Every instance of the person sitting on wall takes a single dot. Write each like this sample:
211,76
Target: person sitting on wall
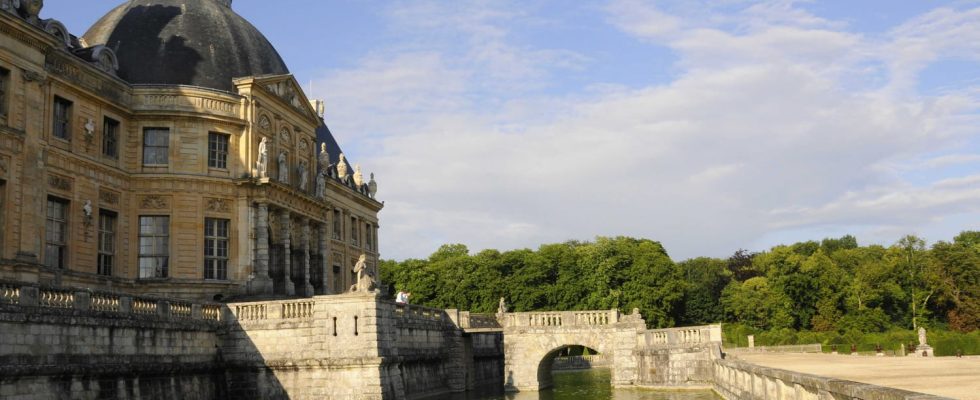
402,297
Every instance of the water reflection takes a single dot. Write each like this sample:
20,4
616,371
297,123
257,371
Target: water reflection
592,384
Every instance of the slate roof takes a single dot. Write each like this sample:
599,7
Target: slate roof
184,42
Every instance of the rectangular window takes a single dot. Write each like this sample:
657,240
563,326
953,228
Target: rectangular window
216,249
337,228
62,118
217,150
367,237
156,146
56,234
110,137
107,242
353,231
154,255
4,88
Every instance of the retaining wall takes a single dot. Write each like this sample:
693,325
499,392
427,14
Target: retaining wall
66,344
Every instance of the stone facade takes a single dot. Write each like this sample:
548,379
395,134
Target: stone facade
86,157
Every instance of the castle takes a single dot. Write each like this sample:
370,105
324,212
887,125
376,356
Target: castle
169,152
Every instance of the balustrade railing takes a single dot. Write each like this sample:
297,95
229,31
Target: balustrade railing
9,294
252,312
412,311
561,319
181,310
106,302
34,295
56,298
682,336
297,310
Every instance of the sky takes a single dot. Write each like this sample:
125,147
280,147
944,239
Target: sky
709,126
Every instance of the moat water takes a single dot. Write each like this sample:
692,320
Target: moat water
591,384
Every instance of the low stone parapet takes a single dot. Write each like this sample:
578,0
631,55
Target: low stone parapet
738,380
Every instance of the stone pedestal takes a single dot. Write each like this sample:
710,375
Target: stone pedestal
923,350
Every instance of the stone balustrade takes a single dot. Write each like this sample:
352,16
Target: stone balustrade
561,319
412,311
55,298
682,336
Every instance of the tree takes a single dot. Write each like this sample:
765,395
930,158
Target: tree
740,264
912,248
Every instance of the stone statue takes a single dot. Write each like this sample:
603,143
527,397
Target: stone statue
365,281
922,336
321,185
262,164
360,266
342,167
304,176
358,176
283,170
502,307
29,9
87,209
323,159
372,187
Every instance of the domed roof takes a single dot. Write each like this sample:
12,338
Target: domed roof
184,42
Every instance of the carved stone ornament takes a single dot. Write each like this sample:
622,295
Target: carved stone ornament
284,136
59,183
358,176
303,147
342,167
154,203
108,197
89,131
217,205
372,187
264,123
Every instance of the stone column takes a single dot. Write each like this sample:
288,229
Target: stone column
287,229
262,284
324,247
305,285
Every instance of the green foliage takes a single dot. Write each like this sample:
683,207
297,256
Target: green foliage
831,291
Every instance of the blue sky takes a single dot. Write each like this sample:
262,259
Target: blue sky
709,126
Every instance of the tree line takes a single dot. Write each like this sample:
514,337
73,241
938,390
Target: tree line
823,286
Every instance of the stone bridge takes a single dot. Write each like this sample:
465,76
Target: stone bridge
532,340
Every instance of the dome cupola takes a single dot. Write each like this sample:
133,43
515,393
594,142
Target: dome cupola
184,42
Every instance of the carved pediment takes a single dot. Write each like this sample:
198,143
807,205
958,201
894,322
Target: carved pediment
286,89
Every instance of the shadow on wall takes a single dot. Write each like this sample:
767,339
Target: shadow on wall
245,374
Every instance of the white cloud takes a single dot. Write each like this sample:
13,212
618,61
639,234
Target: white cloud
763,130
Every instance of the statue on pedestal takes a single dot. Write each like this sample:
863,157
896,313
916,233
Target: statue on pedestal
321,185
304,176
323,159
283,169
342,167
358,176
372,187
262,164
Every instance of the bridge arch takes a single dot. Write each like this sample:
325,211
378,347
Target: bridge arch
545,367
533,340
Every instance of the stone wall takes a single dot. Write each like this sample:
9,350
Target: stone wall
66,344
678,357
352,346
743,381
